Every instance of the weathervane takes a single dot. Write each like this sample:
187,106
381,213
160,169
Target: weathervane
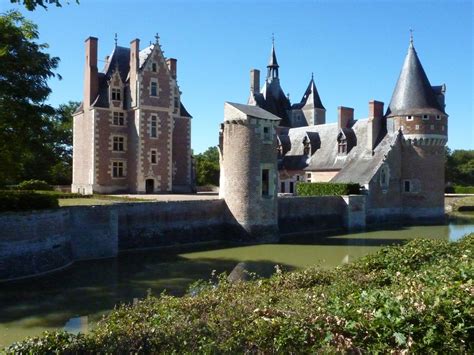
115,39
273,38
411,37
157,37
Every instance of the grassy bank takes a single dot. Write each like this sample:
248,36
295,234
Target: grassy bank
417,297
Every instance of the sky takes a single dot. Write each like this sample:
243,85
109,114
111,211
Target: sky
354,48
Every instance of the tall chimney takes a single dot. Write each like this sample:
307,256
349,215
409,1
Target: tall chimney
91,77
172,66
255,81
375,123
134,62
345,115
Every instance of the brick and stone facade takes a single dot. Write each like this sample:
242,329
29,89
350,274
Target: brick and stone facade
132,132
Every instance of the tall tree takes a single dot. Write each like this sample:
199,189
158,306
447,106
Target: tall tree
24,71
207,167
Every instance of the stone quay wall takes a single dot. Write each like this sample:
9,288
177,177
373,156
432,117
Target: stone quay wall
38,242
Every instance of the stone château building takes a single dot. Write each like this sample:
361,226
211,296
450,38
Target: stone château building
396,156
131,133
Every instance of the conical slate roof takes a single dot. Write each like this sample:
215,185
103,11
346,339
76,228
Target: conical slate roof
413,93
273,59
311,96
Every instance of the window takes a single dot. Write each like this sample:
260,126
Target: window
409,118
154,88
116,94
118,119
297,178
282,187
118,144
432,126
417,127
176,102
118,169
426,117
153,67
438,117
154,127
406,186
442,127
266,182
153,156
342,146
292,187
384,177
267,134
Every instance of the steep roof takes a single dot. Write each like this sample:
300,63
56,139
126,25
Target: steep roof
311,97
273,59
413,93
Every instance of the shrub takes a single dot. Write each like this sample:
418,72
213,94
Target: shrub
326,188
60,194
26,200
34,185
457,189
415,298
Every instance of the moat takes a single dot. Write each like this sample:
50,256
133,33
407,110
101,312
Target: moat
75,298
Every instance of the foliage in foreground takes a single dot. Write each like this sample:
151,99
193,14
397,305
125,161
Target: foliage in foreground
456,189
417,297
326,189
207,167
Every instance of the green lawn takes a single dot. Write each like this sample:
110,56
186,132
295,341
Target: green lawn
65,202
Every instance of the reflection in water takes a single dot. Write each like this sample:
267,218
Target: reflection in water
75,298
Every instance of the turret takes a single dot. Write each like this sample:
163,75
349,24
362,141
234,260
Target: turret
415,108
312,107
249,171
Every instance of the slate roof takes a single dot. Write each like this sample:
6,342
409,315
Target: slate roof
311,97
254,111
413,93
358,165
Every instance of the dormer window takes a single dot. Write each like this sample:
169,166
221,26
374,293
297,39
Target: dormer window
342,146
153,67
306,146
115,94
409,118
154,88
426,117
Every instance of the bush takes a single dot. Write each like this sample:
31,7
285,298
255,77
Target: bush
60,194
34,185
26,200
415,298
456,189
326,188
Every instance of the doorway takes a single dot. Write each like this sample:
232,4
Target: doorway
149,186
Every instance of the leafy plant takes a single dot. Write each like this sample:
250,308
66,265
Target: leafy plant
34,185
326,188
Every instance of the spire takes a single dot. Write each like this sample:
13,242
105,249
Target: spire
413,93
311,95
272,66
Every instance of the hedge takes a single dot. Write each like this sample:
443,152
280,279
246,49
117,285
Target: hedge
26,200
326,188
34,185
415,298
456,189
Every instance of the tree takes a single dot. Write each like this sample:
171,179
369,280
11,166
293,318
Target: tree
460,167
31,4
207,167
24,71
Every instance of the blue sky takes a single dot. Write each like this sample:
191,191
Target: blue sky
355,49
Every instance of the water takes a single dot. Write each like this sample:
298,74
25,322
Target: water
75,298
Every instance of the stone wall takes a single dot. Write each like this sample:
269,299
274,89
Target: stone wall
33,243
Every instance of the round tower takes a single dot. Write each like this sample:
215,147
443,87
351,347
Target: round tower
417,111
249,170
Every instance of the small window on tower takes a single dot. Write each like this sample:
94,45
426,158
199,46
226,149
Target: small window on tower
153,156
118,119
115,94
153,127
407,186
265,182
409,118
417,127
426,117
432,126
118,144
153,67
438,117
154,88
